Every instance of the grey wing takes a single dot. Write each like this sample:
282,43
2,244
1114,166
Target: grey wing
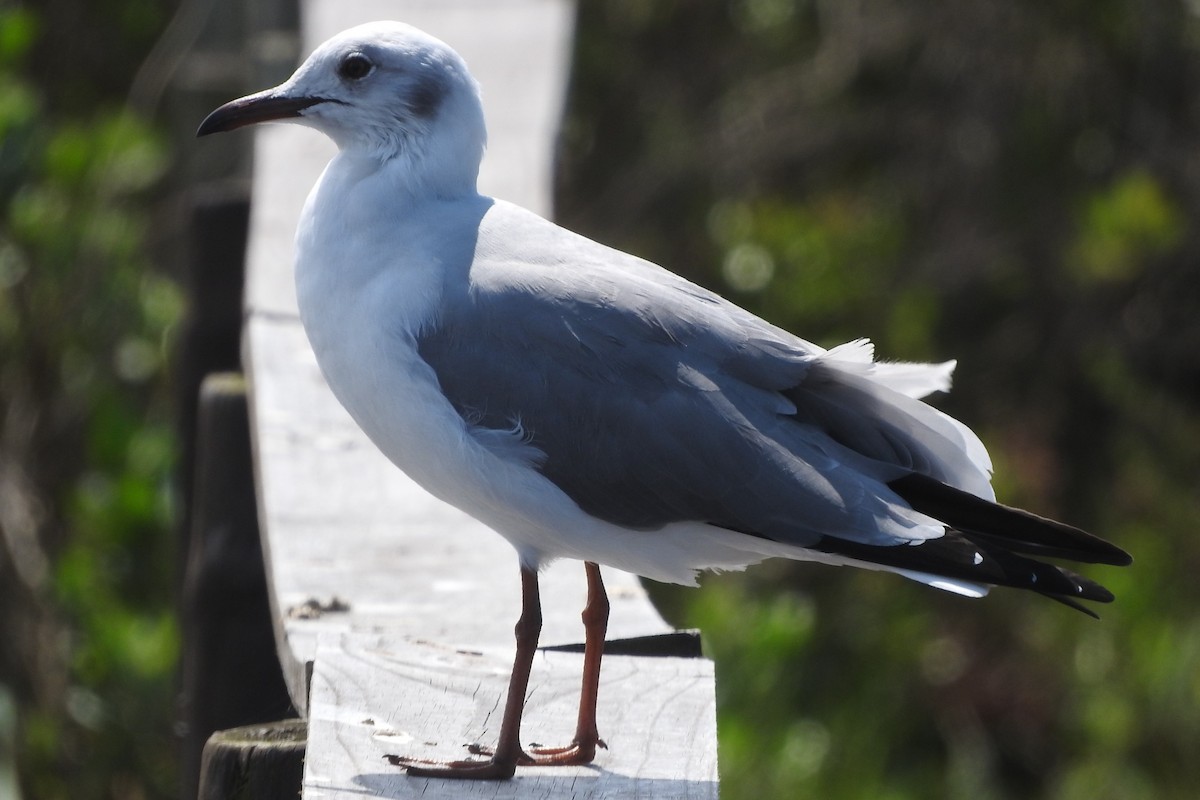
650,401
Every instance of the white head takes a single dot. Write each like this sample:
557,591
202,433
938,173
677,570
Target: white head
383,90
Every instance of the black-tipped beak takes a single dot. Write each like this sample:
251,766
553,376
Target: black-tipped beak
261,107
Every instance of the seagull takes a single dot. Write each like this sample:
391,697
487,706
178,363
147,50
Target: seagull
587,404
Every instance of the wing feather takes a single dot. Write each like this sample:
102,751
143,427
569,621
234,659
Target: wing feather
649,401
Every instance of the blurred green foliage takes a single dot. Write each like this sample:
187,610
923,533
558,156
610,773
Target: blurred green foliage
86,446
1008,184
1123,228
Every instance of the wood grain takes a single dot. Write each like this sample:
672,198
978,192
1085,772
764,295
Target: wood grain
380,695
263,762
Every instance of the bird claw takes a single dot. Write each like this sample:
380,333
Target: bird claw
577,753
454,770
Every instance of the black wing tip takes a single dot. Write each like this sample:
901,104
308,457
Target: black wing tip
1010,528
1069,589
959,555
1085,588
1069,603
1120,557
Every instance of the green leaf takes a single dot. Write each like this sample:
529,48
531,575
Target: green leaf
1123,228
18,29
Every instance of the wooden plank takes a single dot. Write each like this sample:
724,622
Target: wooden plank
379,695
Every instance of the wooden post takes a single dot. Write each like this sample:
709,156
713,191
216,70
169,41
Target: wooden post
230,670
211,332
257,762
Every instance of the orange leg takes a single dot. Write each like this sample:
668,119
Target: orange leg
582,748
508,753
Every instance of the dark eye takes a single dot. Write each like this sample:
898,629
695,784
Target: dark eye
355,67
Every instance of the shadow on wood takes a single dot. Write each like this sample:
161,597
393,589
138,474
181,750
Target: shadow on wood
676,644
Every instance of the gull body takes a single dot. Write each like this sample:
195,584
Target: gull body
367,318
588,404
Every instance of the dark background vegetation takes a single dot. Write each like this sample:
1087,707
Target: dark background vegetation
1011,184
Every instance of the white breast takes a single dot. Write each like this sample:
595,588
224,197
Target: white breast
369,275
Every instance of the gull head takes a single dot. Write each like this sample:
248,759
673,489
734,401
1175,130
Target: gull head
383,90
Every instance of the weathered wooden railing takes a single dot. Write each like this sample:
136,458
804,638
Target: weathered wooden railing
392,612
